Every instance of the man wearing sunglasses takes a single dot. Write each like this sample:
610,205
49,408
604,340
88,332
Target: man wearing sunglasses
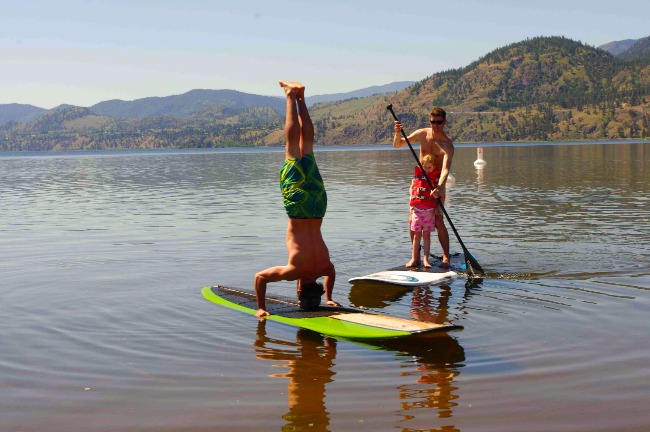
435,142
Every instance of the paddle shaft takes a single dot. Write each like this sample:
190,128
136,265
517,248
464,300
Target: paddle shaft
470,261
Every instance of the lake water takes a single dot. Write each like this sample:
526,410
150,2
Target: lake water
103,257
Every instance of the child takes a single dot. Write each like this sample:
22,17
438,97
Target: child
423,210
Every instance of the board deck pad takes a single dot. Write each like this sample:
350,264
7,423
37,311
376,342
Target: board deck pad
406,277
386,321
277,305
456,260
333,321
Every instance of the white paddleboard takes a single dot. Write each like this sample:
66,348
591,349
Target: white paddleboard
405,277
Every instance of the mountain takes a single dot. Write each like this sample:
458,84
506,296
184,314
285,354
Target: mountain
365,92
617,47
639,51
544,88
19,113
181,106
536,70
227,102
56,118
629,49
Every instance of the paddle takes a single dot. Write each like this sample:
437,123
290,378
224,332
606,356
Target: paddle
472,265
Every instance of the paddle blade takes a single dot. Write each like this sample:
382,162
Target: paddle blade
472,265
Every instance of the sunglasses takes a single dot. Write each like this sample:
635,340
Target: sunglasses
437,122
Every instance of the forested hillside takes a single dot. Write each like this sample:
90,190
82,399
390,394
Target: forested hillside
539,89
546,88
640,51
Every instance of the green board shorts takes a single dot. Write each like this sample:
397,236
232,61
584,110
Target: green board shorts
303,190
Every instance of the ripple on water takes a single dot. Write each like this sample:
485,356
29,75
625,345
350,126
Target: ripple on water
103,259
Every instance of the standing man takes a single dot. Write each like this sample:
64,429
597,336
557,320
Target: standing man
434,142
305,201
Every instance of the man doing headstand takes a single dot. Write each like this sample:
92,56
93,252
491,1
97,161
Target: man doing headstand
305,201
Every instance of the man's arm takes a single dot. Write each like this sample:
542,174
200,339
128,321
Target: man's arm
398,139
328,281
272,274
446,166
444,172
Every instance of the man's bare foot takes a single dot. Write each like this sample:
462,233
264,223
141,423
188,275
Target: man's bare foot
445,262
292,88
301,93
426,263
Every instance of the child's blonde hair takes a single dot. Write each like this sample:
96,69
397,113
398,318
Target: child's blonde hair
425,159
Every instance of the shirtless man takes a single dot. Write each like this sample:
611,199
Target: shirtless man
305,201
435,142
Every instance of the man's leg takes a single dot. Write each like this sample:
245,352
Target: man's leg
443,238
291,122
306,126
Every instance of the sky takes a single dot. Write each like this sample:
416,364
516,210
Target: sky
84,52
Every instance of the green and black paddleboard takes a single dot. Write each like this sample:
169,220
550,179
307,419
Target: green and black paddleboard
332,321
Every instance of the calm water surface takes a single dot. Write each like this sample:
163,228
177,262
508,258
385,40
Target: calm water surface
103,256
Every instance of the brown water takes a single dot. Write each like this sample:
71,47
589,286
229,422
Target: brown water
103,256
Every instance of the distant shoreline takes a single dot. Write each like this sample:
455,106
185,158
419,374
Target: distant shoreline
277,149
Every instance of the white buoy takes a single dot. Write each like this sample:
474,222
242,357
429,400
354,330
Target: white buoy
479,155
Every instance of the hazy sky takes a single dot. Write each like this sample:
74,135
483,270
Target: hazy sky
84,52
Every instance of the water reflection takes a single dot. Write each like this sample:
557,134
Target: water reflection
309,359
432,393
564,228
432,361
428,307
480,178
437,358
372,294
